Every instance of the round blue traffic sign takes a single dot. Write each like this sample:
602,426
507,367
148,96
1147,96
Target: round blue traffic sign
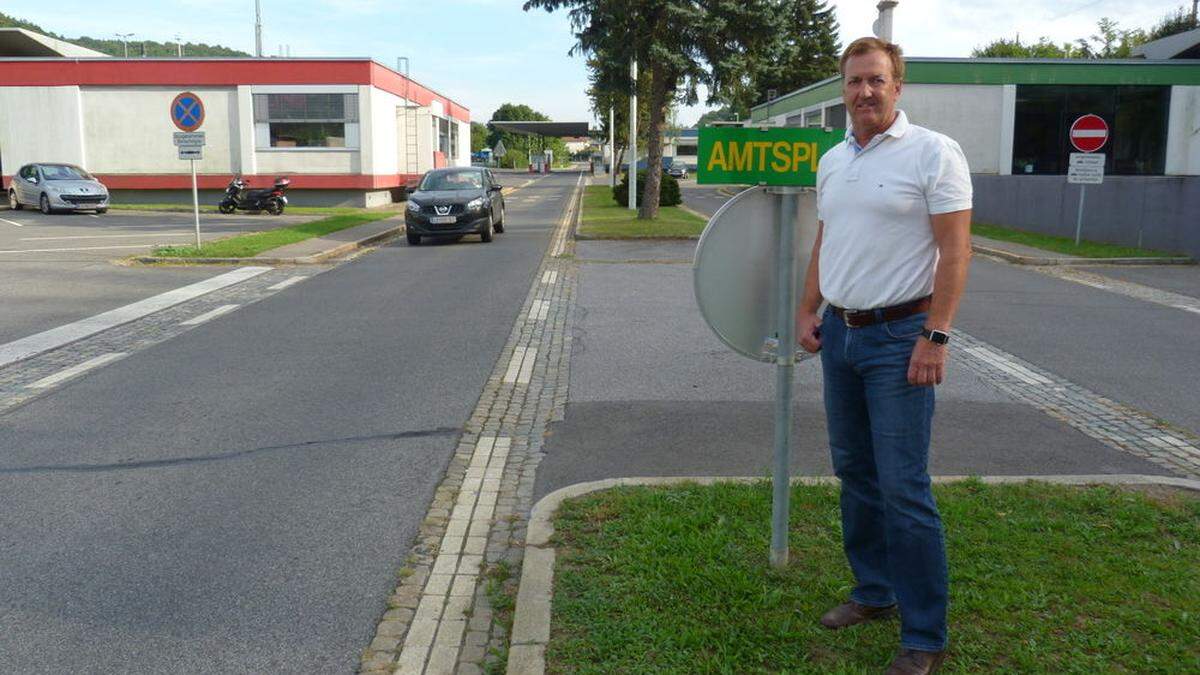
187,111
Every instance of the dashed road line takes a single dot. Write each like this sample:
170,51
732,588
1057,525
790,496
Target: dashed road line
57,337
550,276
10,222
108,236
1122,287
539,311
209,316
76,370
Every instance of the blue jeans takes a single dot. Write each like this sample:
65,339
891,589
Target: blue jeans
879,437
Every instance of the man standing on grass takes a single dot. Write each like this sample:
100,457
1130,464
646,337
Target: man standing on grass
891,255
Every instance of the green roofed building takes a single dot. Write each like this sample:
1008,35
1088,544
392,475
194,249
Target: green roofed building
1012,118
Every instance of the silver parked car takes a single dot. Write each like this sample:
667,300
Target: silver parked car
57,187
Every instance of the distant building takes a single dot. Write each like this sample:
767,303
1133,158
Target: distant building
681,147
346,130
1012,117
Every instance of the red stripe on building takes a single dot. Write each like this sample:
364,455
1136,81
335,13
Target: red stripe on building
102,72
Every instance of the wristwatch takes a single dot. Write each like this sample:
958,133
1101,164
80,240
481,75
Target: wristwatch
935,336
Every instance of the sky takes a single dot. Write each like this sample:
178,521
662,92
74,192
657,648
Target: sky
483,53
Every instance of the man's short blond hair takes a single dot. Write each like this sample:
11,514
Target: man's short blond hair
866,45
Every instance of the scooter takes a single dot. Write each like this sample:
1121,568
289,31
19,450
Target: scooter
239,196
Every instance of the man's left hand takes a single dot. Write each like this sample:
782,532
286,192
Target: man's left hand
928,364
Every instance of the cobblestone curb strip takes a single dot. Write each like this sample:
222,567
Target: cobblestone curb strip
440,618
531,628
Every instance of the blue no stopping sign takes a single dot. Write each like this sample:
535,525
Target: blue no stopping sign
187,111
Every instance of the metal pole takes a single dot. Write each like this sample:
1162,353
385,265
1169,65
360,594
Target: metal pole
633,137
195,201
785,361
612,147
1079,214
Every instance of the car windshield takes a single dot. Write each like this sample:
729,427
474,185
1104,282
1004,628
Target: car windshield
64,172
453,180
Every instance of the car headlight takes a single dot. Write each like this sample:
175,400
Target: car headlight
476,203
413,206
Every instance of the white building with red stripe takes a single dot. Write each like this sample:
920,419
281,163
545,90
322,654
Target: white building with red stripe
345,130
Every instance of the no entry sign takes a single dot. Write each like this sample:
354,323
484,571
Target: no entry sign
1089,133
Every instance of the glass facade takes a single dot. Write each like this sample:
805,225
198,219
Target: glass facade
1136,117
306,120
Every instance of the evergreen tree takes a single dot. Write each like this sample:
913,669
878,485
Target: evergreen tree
805,50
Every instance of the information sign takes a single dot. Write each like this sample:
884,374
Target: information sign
191,152
1086,168
762,155
194,138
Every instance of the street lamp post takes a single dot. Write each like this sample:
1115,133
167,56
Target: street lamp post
633,136
124,37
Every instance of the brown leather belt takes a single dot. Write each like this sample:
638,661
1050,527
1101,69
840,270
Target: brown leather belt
857,318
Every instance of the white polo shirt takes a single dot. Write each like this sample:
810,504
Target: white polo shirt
877,245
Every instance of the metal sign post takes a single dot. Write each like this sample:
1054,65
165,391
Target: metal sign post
187,113
746,271
633,115
1088,134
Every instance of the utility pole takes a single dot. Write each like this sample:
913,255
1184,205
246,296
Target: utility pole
258,28
633,136
1194,4
178,45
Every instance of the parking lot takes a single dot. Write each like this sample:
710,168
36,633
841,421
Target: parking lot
30,235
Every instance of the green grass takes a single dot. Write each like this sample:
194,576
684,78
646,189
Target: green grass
211,208
1086,249
248,245
1044,579
605,219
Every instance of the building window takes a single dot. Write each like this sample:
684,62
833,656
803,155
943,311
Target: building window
1137,127
306,120
687,150
453,139
812,118
794,121
835,116
442,127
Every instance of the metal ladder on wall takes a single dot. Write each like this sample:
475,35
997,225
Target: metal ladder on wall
411,149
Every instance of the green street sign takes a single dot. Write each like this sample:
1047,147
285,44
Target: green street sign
762,155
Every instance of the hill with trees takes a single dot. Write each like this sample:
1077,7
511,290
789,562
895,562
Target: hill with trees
114,47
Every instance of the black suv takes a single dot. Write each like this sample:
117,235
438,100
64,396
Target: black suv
454,202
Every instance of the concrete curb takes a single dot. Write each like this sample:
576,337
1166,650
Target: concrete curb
316,258
592,237
1029,260
531,623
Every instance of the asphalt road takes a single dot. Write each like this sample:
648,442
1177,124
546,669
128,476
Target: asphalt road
287,453
655,393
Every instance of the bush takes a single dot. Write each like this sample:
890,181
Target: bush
668,190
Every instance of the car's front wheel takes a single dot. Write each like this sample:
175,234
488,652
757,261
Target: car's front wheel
499,226
44,204
413,239
14,203
100,212
485,234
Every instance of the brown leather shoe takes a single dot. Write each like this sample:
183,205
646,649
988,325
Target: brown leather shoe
851,613
912,662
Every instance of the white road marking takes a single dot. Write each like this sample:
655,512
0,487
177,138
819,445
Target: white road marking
106,236
6,220
1007,366
1187,308
527,366
514,365
209,316
539,310
76,370
57,337
550,277
83,248
286,282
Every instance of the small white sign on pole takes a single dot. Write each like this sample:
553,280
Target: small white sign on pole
191,152
1086,168
189,139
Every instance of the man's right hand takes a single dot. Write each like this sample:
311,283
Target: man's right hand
808,330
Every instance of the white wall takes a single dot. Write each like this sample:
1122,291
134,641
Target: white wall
129,129
464,144
423,128
42,124
1183,133
384,132
970,114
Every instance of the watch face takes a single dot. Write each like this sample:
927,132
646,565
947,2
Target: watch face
937,336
